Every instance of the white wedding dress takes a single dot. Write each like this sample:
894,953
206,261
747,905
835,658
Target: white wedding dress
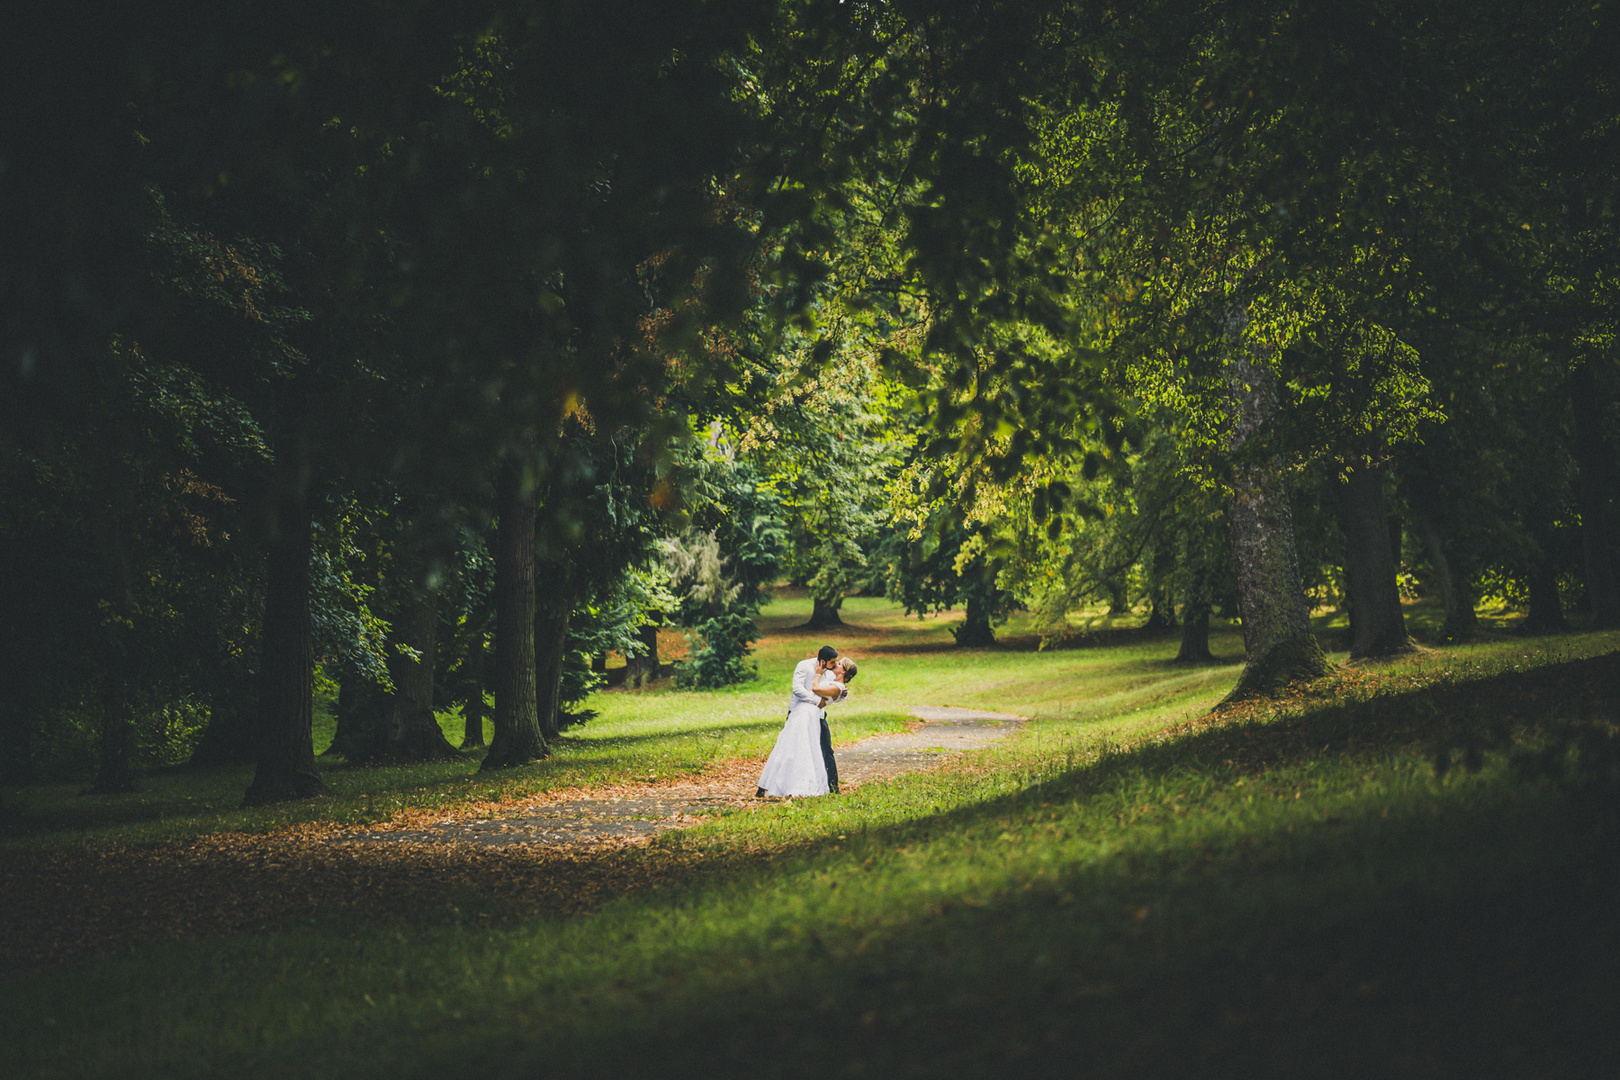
796,765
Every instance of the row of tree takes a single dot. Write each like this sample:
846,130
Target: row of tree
451,346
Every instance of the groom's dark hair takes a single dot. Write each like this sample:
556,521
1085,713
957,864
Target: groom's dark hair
827,653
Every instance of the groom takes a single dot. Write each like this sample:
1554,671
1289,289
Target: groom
804,677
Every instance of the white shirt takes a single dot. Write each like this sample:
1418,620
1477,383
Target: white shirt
804,677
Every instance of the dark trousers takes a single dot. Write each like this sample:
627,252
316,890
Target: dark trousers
827,756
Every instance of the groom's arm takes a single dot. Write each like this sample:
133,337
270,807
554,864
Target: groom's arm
803,676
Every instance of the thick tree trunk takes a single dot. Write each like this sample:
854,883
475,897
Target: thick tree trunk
1161,616
16,742
1194,635
1460,621
472,709
413,731
824,612
1378,626
517,739
116,772
975,630
1546,615
284,738
228,738
361,707
1117,603
1594,493
1276,624
550,636
644,666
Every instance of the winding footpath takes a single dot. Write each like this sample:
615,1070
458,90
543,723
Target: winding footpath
569,821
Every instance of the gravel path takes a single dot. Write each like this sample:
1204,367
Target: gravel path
570,822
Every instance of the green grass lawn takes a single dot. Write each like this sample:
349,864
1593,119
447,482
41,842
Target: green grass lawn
1291,892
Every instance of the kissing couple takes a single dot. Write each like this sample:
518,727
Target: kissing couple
802,762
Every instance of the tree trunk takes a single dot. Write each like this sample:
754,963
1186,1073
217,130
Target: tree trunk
1161,616
1276,623
228,738
284,739
116,772
1117,603
1593,495
1460,622
550,637
16,742
1546,614
1194,635
975,630
361,710
1379,626
517,739
413,731
643,666
824,612
472,709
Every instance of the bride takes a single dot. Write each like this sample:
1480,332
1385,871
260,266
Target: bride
801,762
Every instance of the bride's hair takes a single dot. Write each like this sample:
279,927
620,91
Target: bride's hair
849,671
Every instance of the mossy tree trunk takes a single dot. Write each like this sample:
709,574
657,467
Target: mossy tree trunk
284,738
516,739
1276,624
1378,625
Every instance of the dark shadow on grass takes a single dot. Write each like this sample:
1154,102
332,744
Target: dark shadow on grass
1175,963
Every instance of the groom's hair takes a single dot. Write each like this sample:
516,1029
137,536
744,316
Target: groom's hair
827,653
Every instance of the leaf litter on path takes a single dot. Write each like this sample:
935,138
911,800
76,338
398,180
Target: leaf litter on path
557,854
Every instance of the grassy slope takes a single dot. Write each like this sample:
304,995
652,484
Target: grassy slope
1295,894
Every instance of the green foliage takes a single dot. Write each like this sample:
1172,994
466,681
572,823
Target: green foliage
720,646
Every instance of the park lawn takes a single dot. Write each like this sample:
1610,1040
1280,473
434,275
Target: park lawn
1292,890
647,734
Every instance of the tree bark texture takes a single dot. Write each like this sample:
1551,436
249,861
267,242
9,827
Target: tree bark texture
1277,634
824,612
1378,625
550,636
361,705
1194,635
516,739
413,733
1594,493
1460,622
284,739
